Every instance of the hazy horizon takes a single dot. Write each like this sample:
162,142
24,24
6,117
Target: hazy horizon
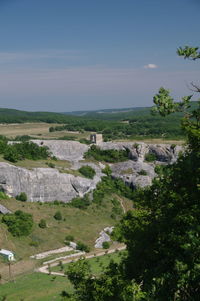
74,56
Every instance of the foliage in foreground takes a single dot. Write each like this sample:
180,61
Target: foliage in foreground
162,234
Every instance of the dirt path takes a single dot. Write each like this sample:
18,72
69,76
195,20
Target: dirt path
45,269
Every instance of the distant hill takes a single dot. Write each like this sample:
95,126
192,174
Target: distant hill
125,123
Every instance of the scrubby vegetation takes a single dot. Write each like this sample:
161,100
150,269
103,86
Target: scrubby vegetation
109,155
19,223
82,247
23,150
42,224
87,171
22,197
58,216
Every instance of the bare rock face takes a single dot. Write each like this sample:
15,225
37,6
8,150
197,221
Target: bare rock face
43,184
135,174
137,151
64,150
103,236
48,184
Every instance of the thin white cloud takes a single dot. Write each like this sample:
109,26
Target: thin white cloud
150,66
6,57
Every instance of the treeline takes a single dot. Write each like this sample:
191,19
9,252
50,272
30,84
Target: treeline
17,116
133,124
136,127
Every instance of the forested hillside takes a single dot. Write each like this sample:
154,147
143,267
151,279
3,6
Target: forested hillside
136,123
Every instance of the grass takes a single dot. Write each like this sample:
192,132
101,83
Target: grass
38,130
35,287
128,171
41,287
96,264
84,225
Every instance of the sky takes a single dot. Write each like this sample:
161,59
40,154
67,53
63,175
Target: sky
67,55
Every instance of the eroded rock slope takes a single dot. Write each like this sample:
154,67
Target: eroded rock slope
47,184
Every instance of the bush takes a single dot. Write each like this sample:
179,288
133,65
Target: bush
3,196
19,223
22,197
108,155
87,171
25,150
82,247
106,245
69,237
150,157
81,203
107,170
34,243
58,216
42,224
142,172
50,164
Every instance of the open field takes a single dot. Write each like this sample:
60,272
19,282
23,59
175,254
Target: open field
84,225
35,287
41,131
37,130
42,287
96,264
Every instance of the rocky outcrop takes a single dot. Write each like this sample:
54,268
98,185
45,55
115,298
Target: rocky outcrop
103,236
134,173
163,152
43,184
48,184
64,150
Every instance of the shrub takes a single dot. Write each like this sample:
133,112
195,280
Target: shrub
87,171
50,164
69,237
58,216
108,155
42,224
82,247
22,197
25,150
142,172
150,157
19,223
81,203
107,170
3,195
34,243
106,245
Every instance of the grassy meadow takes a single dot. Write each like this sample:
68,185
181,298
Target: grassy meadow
42,287
84,225
37,130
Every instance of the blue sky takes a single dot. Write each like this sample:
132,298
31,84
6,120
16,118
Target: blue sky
89,54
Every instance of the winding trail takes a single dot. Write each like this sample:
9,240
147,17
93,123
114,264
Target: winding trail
45,268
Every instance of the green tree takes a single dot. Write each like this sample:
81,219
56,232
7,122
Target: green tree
162,233
22,197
